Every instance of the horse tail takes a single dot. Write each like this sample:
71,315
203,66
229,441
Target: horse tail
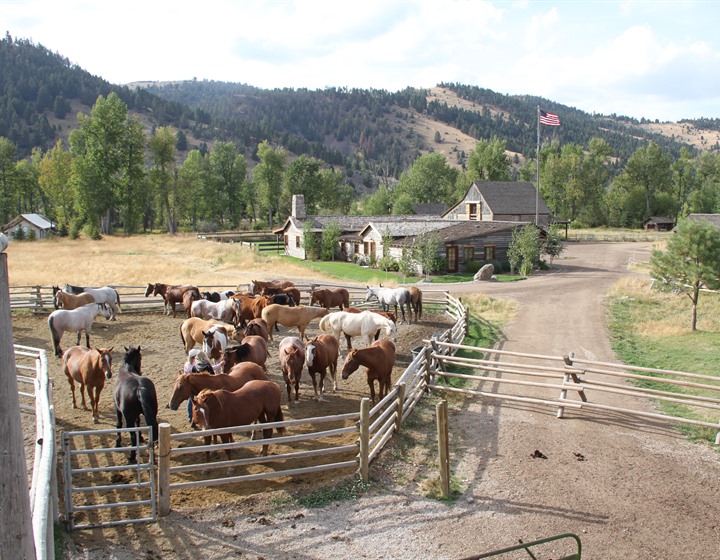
419,304
282,430
117,295
182,336
53,334
149,404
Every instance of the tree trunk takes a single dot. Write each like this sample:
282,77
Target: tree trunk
16,537
694,298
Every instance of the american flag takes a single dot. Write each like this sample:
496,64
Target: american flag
550,119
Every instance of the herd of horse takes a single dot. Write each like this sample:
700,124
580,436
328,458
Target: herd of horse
234,328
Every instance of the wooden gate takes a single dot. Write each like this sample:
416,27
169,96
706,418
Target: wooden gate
94,481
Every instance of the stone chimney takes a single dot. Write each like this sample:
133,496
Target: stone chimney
298,206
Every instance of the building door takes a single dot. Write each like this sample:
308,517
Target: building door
451,253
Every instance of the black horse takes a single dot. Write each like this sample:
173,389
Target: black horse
134,395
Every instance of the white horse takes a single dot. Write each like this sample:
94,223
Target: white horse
391,296
106,294
366,324
222,310
75,320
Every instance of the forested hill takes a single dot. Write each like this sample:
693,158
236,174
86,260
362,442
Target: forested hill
378,132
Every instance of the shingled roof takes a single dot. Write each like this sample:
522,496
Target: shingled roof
507,197
465,230
350,224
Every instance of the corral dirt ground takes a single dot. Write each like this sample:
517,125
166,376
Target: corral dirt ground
630,488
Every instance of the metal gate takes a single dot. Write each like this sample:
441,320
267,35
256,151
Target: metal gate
99,488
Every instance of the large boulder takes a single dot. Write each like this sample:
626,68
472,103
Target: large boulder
485,274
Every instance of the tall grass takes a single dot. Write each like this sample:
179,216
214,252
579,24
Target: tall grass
652,329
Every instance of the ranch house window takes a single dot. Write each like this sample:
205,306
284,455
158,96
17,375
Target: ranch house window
297,241
489,252
468,254
366,248
356,248
285,240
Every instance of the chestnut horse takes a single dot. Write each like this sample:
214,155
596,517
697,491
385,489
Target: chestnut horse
298,317
257,286
256,400
291,354
252,349
257,327
189,384
379,359
170,294
90,367
330,297
416,297
322,353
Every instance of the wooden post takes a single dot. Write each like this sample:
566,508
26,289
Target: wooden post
164,468
563,396
16,534
364,438
441,413
428,367
717,436
400,406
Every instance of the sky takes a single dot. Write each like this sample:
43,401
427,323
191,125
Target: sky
652,59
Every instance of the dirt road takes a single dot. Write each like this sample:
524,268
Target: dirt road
641,492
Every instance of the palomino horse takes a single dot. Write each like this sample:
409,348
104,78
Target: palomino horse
391,296
330,297
256,400
64,300
291,354
74,320
192,331
134,395
257,286
366,324
90,367
379,359
252,349
322,353
298,317
106,294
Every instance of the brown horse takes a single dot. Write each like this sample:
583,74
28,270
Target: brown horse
90,367
256,400
187,300
291,354
298,317
64,300
189,384
330,297
290,291
257,286
379,359
252,349
249,308
416,297
170,294
322,353
257,327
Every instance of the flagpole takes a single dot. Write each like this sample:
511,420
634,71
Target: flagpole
537,171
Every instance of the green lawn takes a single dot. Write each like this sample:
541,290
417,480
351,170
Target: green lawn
350,272
468,277
650,329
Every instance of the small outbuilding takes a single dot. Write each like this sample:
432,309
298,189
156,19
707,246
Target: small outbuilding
36,223
658,223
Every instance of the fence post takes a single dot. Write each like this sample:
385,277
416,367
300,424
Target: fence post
38,300
428,366
567,358
400,406
441,413
164,468
364,437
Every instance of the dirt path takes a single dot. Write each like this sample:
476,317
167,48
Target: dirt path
642,492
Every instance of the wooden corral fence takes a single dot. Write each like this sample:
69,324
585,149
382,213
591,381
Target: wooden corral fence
39,299
257,241
374,427
103,487
563,382
35,392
